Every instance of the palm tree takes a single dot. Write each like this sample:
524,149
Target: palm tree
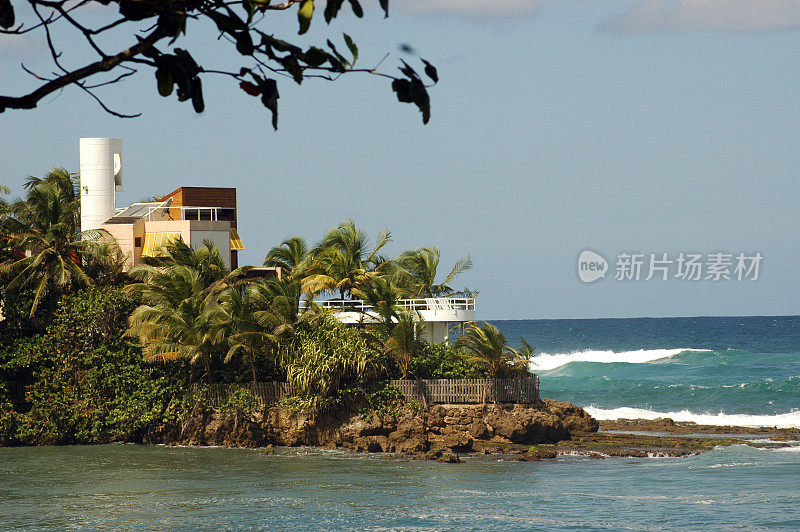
416,272
486,345
206,260
525,350
46,224
384,298
291,256
405,342
174,322
342,260
251,327
105,264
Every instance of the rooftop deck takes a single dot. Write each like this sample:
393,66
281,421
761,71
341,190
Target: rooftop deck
433,309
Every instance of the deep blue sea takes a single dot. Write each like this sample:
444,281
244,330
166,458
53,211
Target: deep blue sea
726,371
712,370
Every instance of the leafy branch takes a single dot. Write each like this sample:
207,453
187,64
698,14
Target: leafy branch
265,57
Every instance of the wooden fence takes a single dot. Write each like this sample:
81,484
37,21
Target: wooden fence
266,393
517,390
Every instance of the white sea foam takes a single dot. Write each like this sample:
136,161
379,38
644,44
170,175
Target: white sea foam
783,421
792,449
547,361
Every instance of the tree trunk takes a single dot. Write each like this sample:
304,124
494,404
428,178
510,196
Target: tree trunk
208,372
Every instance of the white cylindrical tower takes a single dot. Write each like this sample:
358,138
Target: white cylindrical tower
101,178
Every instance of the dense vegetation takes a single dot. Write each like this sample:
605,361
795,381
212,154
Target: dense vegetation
89,353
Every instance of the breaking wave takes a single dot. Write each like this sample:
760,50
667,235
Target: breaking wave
782,421
547,362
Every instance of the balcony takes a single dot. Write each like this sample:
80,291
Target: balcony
212,214
433,309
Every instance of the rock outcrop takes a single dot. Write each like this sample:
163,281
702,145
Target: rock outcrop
454,428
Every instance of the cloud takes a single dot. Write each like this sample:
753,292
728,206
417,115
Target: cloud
470,8
650,16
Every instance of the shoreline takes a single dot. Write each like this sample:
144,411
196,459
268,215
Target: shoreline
449,432
446,433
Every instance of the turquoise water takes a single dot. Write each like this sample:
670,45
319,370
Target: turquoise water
133,487
718,370
743,370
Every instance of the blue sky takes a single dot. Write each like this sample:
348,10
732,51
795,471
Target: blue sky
648,126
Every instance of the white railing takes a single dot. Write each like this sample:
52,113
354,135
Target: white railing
213,212
430,303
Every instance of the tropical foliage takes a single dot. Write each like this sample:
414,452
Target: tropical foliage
46,223
118,352
405,341
486,345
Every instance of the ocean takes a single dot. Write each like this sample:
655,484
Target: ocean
711,370
718,371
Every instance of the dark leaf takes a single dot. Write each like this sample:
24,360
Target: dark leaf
430,71
337,65
227,24
357,10
339,56
413,91
136,10
314,57
172,25
408,71
402,87
187,59
151,52
304,15
165,81
197,96
269,97
7,17
293,67
332,8
385,7
244,43
281,46
250,88
352,46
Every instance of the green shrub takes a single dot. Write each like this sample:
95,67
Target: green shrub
327,356
89,384
239,399
385,400
444,361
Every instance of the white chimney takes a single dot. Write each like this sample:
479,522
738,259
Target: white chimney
101,178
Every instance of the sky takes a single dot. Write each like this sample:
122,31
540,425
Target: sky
620,126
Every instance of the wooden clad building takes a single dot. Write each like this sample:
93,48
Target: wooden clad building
221,199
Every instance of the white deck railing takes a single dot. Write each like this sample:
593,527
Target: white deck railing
421,304
213,212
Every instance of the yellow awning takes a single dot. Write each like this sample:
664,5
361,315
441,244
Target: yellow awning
236,241
154,242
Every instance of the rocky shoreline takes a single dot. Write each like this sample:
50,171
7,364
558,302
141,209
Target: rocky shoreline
446,433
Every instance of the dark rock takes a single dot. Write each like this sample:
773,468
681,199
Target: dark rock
449,458
453,429
458,444
479,430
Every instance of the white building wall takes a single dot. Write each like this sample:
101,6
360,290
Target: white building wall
101,178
